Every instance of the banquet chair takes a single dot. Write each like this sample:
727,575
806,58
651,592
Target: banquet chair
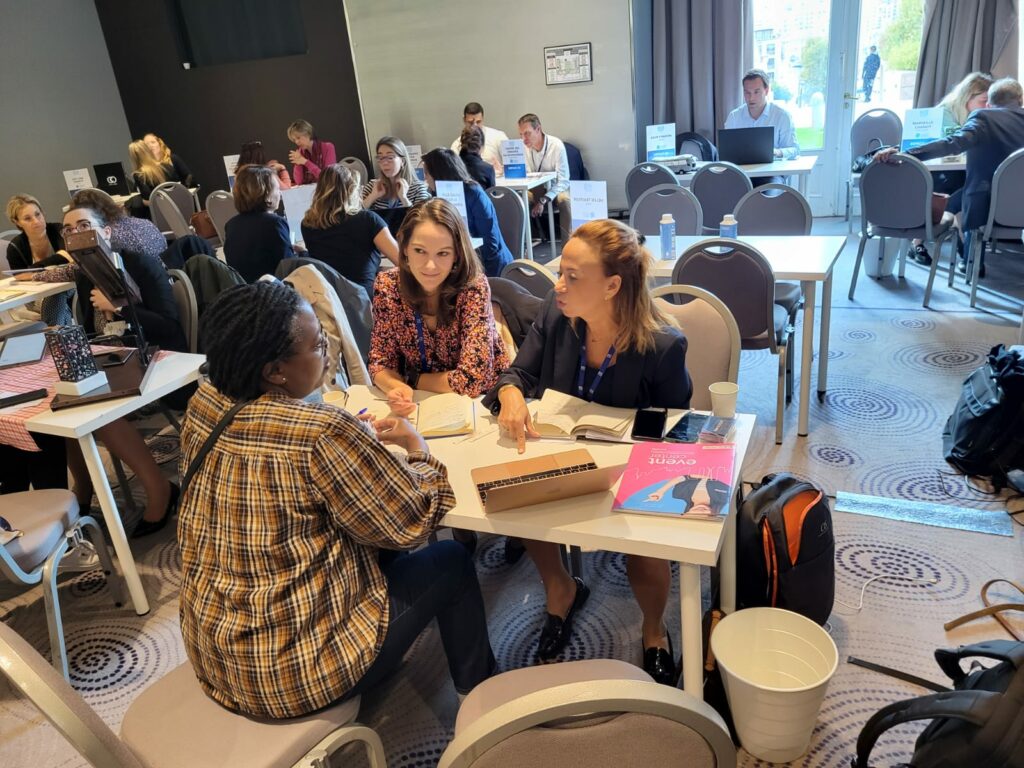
599,713
718,186
511,212
534,277
873,129
645,215
712,336
174,723
358,167
643,176
168,216
897,202
740,276
50,523
221,207
188,307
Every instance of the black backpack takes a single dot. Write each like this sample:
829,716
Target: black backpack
785,548
978,725
985,434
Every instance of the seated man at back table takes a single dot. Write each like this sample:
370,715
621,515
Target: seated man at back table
546,154
988,137
758,112
473,114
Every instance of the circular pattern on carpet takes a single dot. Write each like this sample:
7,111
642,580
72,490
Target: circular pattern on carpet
912,324
879,409
859,336
942,357
594,632
87,584
923,480
835,456
859,559
117,660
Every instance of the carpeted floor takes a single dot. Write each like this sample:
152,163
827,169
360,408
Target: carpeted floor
894,375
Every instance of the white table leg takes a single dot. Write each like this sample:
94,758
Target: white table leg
801,183
525,194
808,353
823,339
114,525
693,647
551,228
727,562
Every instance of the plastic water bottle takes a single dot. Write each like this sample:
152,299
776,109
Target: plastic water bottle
668,236
728,227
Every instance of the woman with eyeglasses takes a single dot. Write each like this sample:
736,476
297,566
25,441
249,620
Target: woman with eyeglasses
252,154
157,313
293,595
433,325
310,154
396,185
442,164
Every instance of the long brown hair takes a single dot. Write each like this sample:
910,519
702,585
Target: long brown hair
397,146
335,198
465,270
622,254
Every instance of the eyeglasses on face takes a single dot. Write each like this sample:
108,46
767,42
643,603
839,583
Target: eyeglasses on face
386,158
79,226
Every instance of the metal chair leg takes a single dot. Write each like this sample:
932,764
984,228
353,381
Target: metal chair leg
780,396
58,652
977,253
856,265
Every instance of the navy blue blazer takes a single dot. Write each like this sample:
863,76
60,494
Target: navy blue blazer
550,356
988,137
483,222
255,242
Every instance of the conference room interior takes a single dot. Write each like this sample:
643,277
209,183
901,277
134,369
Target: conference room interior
81,80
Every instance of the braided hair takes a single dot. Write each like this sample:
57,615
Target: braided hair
246,328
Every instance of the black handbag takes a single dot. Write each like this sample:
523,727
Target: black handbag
860,162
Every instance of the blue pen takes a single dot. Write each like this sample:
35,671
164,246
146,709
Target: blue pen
362,411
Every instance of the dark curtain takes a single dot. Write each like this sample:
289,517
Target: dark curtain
701,50
960,37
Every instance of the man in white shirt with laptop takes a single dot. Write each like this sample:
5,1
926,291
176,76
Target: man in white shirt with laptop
473,114
758,112
546,154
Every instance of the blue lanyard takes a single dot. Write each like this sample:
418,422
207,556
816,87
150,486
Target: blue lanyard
424,365
583,369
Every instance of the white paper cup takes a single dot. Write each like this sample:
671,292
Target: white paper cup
776,666
723,398
335,397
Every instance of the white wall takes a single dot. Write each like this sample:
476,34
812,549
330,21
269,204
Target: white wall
61,106
418,63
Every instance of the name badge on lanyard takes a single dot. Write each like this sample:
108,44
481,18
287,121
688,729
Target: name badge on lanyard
589,396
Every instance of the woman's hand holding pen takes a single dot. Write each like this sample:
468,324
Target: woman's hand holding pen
396,431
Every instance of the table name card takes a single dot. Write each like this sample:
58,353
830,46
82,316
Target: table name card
77,179
921,126
661,141
455,193
513,158
588,200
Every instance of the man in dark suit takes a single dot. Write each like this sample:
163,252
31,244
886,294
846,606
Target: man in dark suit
988,137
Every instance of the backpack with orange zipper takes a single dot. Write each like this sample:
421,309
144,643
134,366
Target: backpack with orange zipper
785,548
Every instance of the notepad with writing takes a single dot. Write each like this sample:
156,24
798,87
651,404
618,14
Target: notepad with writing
562,416
444,415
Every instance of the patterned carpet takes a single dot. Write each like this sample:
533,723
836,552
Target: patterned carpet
895,371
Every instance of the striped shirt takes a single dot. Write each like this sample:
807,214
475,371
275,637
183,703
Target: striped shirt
283,607
418,192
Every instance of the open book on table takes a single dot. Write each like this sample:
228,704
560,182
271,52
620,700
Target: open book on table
436,415
563,416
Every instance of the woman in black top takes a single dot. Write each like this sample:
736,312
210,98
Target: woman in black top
598,337
154,164
256,239
472,142
39,245
338,231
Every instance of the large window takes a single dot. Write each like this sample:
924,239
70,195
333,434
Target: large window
893,28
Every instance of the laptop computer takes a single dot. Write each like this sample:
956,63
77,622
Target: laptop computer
564,475
110,178
746,146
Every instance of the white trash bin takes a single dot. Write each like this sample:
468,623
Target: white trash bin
884,267
776,666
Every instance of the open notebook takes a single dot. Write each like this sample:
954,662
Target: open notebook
436,415
562,416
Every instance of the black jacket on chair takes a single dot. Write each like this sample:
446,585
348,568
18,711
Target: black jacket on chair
988,137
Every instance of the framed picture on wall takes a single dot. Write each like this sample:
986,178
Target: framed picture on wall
568,64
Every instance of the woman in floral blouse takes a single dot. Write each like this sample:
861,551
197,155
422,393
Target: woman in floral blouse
433,327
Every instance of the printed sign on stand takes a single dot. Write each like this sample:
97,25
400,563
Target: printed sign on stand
513,157
416,159
455,193
661,141
588,201
921,126
230,163
77,179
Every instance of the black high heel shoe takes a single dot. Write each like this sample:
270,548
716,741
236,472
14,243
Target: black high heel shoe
661,664
556,630
146,527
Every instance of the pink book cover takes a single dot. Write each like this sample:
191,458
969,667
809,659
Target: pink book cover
678,479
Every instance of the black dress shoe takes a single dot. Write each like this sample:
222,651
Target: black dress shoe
467,539
146,527
920,254
660,664
556,631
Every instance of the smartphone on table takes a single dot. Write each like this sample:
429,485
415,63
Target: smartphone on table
649,424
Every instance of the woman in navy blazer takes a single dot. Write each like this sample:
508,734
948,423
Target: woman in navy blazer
256,239
444,165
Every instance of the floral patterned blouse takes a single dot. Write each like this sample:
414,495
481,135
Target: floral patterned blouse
469,348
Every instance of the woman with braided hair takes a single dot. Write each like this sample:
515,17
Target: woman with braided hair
292,597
